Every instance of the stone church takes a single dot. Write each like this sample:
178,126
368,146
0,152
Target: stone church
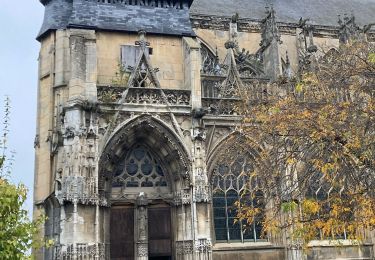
135,104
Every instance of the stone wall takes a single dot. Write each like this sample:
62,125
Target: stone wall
167,55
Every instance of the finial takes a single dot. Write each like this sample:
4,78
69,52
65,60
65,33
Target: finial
235,18
230,45
287,58
339,19
288,69
142,39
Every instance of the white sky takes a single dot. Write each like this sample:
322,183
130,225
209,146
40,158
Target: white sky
20,22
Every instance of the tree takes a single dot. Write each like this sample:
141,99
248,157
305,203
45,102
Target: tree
317,165
16,230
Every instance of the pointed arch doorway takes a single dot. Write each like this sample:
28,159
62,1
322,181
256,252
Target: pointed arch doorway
143,169
141,218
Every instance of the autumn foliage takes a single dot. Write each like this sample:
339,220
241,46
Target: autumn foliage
317,165
16,230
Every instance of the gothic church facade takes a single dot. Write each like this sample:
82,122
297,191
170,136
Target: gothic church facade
135,104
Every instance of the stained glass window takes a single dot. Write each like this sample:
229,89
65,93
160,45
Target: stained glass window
229,180
140,169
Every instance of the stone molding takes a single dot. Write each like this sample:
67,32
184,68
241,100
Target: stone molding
203,245
142,249
81,251
182,197
152,96
184,247
248,25
79,189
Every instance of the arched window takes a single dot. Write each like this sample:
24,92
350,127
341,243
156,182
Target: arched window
140,169
229,181
323,191
209,61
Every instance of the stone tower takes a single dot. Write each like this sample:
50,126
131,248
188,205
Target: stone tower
136,102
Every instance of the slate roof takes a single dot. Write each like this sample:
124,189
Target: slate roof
320,12
60,14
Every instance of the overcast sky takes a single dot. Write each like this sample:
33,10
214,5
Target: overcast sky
20,22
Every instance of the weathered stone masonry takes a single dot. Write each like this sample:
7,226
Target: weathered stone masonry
129,158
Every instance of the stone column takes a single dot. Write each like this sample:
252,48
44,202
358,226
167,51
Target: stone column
201,195
141,249
184,244
192,67
83,65
78,155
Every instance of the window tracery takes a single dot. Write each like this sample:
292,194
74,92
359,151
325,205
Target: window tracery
140,169
230,180
325,192
210,62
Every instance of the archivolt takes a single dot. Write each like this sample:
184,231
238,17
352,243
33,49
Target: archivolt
153,133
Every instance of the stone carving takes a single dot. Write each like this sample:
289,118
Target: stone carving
349,30
306,47
269,29
232,85
139,168
203,245
81,251
184,247
142,249
286,68
37,141
201,187
211,86
210,62
76,179
220,107
109,94
199,134
142,244
143,75
219,101
182,197
158,129
227,80
308,35
248,65
154,3
142,223
250,26
80,189
154,96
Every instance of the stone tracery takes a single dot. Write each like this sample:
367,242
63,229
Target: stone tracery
231,176
140,169
120,144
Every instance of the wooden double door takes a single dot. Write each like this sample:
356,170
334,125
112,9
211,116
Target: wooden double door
123,229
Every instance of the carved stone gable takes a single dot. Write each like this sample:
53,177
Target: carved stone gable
143,74
232,85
